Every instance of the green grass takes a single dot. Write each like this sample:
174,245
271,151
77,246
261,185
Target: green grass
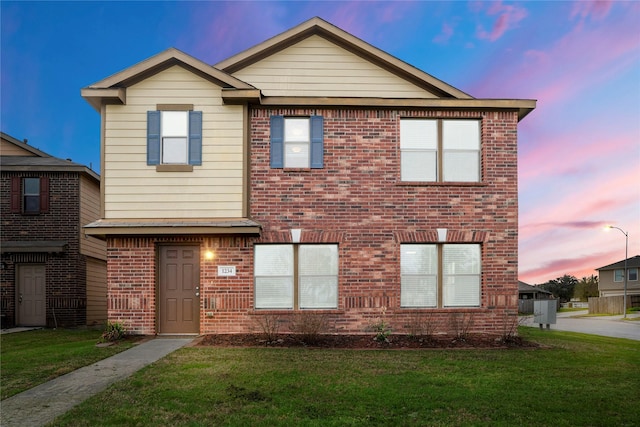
34,357
575,380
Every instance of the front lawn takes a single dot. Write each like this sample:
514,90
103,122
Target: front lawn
34,357
577,380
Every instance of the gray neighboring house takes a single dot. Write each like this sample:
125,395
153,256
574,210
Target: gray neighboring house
611,278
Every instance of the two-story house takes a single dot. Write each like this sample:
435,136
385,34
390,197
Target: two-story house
312,173
52,274
611,278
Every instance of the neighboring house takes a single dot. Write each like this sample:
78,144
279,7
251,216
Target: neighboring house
526,291
611,278
52,274
312,173
527,294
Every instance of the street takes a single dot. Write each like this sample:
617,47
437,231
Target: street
608,326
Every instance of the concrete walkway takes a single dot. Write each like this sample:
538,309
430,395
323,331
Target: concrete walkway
608,326
42,404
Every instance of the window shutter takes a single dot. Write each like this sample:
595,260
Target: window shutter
15,194
195,138
44,194
317,142
153,137
277,142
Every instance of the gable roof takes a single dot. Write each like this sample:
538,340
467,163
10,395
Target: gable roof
39,161
22,145
631,262
317,26
524,287
112,90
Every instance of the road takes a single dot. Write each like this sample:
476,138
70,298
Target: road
608,326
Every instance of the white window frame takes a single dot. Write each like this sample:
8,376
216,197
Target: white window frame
292,279
447,279
434,143
297,142
618,275
635,271
174,129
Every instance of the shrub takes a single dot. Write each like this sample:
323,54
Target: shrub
310,326
114,331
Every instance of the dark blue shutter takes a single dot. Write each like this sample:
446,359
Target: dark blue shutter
317,142
195,138
153,137
277,142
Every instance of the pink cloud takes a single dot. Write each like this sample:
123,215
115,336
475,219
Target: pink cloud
445,34
508,17
582,266
597,9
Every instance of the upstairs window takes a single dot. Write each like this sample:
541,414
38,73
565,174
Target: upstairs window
30,195
297,142
440,150
618,275
174,137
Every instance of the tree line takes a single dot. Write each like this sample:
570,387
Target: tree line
567,287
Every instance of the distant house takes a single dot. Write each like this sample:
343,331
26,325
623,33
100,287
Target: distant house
526,291
527,294
611,278
312,173
52,274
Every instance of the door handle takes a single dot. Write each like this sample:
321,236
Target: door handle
20,299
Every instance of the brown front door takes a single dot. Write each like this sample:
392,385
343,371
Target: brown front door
179,287
31,295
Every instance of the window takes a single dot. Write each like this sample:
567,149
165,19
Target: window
30,195
296,276
435,275
618,275
633,274
440,150
297,142
174,137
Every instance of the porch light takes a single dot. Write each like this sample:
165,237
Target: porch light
209,255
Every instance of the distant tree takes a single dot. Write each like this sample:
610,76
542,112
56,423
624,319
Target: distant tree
586,287
562,288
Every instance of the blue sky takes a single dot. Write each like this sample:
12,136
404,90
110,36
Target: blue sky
579,151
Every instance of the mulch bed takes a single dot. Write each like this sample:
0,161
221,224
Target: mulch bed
363,341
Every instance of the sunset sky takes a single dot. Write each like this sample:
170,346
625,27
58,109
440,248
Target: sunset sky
579,151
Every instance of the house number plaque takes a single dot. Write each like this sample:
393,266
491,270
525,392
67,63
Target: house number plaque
226,270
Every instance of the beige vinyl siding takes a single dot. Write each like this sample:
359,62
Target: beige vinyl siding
96,291
135,190
9,149
317,67
89,212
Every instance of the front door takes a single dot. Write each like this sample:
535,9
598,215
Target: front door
31,295
178,290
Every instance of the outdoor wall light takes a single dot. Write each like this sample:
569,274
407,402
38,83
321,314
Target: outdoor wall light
209,255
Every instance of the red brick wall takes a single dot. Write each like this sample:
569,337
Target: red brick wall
358,195
358,202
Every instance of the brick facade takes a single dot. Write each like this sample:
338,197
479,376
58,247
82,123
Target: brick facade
65,271
358,202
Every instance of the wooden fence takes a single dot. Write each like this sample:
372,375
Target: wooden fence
612,305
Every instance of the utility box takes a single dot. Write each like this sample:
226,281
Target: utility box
544,312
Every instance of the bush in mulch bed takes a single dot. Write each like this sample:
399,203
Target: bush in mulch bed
394,341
